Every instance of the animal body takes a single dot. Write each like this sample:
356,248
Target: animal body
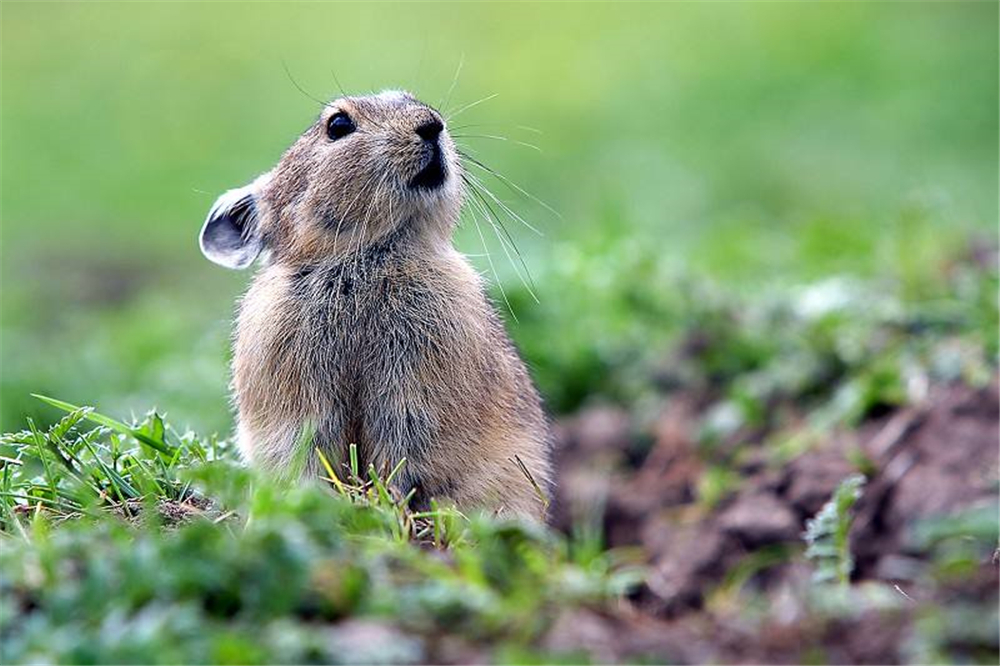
363,323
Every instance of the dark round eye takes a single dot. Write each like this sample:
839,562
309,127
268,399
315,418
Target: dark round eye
339,125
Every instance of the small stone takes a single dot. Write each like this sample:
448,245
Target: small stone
760,518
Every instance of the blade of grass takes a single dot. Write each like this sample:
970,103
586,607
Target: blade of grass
42,455
531,479
395,471
353,451
57,444
386,503
149,475
118,483
333,478
33,489
62,506
377,483
107,421
438,527
17,523
8,506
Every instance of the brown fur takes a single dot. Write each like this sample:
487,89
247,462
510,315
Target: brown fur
365,325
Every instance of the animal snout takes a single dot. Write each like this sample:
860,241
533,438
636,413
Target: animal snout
430,130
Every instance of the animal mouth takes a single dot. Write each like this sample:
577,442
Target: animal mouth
433,175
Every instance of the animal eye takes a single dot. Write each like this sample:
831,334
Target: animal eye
339,125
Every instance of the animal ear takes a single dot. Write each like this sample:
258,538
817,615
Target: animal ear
230,236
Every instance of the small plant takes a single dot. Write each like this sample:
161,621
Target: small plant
72,469
131,543
440,525
827,533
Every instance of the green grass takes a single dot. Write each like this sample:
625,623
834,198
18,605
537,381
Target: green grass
129,540
781,208
751,145
135,543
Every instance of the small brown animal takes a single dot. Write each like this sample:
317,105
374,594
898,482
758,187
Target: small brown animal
364,324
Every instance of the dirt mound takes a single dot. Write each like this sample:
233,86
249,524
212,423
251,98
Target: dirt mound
928,466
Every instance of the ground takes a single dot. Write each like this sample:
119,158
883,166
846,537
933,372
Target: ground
797,481
926,461
766,330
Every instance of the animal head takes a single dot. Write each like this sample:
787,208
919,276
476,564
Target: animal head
364,168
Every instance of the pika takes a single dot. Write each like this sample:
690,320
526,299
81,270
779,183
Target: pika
364,324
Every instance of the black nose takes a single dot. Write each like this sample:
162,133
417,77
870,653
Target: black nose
430,130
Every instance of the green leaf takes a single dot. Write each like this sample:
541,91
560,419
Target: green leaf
109,422
827,533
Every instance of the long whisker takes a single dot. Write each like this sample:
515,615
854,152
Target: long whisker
337,81
420,64
454,82
358,246
477,187
302,90
525,277
512,185
364,224
526,128
507,209
491,216
364,227
493,268
497,137
464,149
502,125
455,114
340,277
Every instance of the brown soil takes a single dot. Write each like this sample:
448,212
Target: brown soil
729,583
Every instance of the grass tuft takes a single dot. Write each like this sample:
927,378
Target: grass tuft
104,533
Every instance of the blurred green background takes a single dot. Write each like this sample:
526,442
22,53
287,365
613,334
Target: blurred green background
751,145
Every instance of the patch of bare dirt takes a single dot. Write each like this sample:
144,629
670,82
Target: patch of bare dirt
932,460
